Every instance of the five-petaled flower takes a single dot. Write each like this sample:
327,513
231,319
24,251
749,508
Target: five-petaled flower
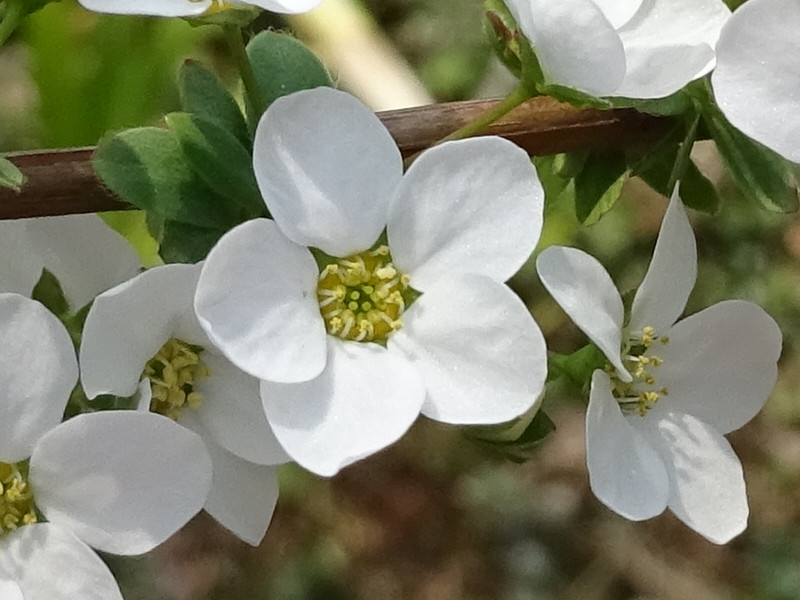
118,481
354,332
658,412
629,48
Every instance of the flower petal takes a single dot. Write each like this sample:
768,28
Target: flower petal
257,301
471,206
618,12
480,353
49,563
127,325
656,71
364,400
707,490
327,168
757,77
122,481
720,364
159,8
243,495
583,288
669,280
575,43
233,414
10,590
625,472
38,370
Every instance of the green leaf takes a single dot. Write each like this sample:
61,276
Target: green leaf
598,185
182,243
758,172
283,65
204,95
146,167
696,189
219,159
48,291
10,175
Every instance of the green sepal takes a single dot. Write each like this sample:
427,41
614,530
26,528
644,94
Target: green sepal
183,243
146,167
239,15
204,95
49,292
219,159
575,97
675,104
598,185
10,175
577,368
283,65
507,439
501,29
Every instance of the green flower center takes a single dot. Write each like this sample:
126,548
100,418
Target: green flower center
16,497
173,373
362,297
638,396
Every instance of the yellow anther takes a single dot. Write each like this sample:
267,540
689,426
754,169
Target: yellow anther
173,373
656,361
16,497
387,272
664,339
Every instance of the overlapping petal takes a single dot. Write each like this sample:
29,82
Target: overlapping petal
327,168
625,472
453,201
38,370
10,590
256,299
47,562
122,481
584,289
480,354
364,400
721,364
757,78
619,12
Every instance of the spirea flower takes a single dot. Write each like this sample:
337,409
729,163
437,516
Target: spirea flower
757,78
192,8
143,335
327,310
629,48
658,412
108,480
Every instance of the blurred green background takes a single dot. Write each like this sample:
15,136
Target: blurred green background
436,517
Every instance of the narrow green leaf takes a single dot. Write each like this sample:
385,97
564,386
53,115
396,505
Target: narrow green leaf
598,185
283,65
204,95
48,291
10,175
146,167
182,243
219,159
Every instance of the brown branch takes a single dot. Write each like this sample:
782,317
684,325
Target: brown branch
59,182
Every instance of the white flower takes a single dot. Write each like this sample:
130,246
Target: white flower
85,254
656,418
109,480
143,334
347,364
629,48
192,8
757,79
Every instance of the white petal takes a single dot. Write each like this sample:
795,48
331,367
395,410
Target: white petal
575,43
720,364
472,206
364,400
327,168
122,481
290,7
159,8
656,71
49,563
127,325
22,265
669,280
233,414
583,288
707,490
676,22
37,373
242,496
257,301
10,590
479,351
618,12
625,472
757,78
